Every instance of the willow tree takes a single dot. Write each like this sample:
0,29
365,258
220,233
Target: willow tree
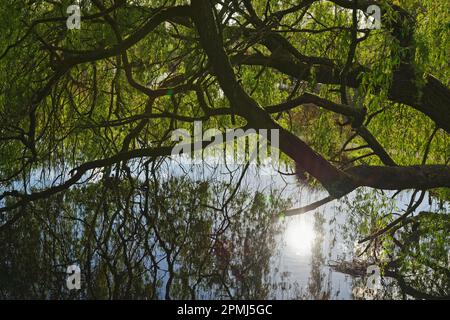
355,106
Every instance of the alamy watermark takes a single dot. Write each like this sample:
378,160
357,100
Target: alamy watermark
235,146
74,19
74,14
371,18
374,278
73,281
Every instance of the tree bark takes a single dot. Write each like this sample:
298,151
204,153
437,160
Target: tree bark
337,182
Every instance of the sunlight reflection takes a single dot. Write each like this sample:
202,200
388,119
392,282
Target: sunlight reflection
300,235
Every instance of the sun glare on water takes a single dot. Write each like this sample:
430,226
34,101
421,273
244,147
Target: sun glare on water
300,235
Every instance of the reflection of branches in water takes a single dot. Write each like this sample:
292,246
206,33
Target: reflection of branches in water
410,247
153,234
319,285
317,288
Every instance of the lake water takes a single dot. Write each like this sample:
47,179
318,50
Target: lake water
187,232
